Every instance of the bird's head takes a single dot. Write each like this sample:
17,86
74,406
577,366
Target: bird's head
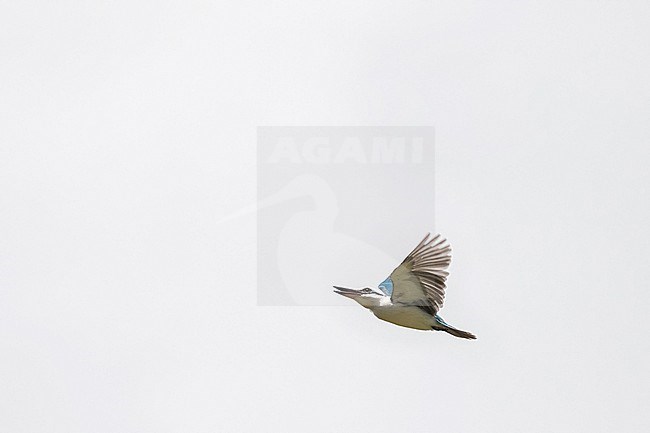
365,296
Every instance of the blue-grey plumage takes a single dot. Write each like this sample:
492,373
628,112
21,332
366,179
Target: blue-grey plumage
414,292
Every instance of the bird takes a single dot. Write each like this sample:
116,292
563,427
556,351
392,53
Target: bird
414,292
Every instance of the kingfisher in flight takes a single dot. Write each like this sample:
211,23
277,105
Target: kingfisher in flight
414,292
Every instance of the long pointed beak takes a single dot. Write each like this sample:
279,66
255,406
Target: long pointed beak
348,293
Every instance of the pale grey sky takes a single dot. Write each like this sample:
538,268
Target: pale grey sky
129,130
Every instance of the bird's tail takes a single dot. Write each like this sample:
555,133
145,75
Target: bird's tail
443,326
460,334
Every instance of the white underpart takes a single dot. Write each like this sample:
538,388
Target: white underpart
408,316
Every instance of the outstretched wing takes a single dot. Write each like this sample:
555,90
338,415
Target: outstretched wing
420,279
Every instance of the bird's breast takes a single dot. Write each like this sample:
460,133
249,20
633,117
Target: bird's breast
408,316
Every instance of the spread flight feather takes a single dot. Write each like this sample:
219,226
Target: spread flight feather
420,278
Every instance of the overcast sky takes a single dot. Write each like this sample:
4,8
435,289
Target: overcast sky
128,131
